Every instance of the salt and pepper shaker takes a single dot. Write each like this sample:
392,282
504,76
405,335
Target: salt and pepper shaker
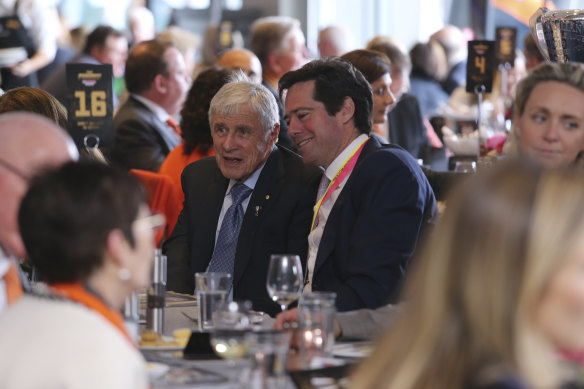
155,300
132,315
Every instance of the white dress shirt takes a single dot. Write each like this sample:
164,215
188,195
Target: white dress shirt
325,209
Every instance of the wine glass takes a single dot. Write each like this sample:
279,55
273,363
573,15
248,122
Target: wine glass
284,281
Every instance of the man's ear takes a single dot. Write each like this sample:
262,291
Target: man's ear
275,132
273,63
160,83
347,111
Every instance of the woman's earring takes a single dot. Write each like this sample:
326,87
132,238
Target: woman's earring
124,274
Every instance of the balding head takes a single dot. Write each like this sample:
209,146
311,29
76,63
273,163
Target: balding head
333,41
242,59
452,41
29,143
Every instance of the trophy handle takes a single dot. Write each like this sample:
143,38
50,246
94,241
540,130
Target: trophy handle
537,31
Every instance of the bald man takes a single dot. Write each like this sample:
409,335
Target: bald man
333,41
29,143
454,44
242,59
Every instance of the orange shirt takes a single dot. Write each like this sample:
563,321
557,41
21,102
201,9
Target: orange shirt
176,161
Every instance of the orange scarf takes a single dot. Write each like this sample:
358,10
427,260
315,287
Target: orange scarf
78,293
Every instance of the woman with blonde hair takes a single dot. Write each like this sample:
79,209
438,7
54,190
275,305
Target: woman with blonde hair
497,292
548,120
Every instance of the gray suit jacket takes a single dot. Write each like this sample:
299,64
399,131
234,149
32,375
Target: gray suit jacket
139,141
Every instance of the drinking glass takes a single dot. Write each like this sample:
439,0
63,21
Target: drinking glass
212,289
284,281
231,322
230,336
465,167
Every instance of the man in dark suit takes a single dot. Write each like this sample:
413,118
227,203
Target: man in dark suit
276,214
144,129
377,200
280,46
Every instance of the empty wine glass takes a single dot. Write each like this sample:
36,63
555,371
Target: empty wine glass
284,281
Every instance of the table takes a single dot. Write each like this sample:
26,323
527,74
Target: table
191,374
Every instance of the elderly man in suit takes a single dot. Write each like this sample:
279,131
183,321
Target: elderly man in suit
375,199
145,131
251,200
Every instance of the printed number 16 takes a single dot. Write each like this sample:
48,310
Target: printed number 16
98,104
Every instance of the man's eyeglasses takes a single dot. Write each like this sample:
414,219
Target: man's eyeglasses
14,170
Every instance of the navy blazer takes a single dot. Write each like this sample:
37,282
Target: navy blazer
138,143
276,221
373,228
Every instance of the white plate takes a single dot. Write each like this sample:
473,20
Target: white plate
156,370
353,350
163,347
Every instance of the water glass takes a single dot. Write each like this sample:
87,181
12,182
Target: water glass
211,289
465,167
269,351
316,313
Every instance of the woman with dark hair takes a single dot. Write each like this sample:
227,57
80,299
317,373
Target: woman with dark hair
88,231
406,125
197,142
375,66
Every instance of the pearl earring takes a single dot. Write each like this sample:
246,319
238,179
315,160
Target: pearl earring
124,274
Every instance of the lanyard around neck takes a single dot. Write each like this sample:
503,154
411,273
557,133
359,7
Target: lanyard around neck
343,172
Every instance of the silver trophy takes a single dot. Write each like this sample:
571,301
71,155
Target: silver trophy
559,34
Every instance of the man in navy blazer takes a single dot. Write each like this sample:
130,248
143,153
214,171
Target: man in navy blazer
244,124
378,202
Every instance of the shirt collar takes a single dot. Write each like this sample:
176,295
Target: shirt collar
338,162
252,179
152,106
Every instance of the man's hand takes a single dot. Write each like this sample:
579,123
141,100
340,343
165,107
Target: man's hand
289,320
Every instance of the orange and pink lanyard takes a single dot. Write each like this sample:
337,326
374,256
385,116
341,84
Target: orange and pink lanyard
341,174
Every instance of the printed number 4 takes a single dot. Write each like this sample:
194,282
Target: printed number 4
98,104
480,63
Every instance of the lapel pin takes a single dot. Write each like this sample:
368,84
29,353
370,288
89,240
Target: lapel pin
267,197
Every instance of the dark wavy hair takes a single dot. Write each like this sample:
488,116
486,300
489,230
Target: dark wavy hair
373,64
67,214
335,79
196,130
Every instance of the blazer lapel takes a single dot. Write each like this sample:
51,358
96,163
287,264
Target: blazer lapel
266,191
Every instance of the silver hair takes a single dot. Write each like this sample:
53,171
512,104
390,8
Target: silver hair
240,91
